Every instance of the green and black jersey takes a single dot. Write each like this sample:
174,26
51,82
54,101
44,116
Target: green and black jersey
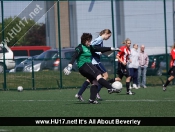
83,54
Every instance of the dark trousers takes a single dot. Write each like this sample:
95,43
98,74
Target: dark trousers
134,75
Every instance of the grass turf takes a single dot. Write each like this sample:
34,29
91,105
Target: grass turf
150,102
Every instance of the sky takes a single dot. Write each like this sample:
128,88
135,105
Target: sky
144,20
14,8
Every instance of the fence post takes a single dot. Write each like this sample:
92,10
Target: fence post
33,76
2,11
164,4
113,35
59,41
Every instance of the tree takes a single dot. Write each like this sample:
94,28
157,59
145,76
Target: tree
36,35
22,31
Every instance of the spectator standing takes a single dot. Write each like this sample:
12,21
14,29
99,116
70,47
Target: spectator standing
142,69
133,65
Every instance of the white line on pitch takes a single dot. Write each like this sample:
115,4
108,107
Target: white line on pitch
4,130
143,100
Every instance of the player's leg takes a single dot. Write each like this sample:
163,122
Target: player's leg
82,89
125,72
120,75
93,92
114,79
91,72
167,82
172,76
128,90
105,83
139,76
105,76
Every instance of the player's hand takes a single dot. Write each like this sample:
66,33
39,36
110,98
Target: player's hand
67,69
124,63
115,49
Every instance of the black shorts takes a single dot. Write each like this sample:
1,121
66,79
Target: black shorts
172,71
89,71
122,70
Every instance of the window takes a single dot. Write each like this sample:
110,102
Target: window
35,52
1,50
50,54
55,55
42,55
69,54
20,53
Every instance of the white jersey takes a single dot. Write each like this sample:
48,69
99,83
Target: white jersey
96,56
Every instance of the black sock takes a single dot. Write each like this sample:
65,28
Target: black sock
166,84
104,83
111,80
93,92
127,86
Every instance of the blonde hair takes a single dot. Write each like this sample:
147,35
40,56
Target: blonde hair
173,47
125,41
107,31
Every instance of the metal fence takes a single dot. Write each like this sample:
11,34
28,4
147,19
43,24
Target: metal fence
60,24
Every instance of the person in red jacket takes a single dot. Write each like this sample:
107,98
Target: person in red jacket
171,72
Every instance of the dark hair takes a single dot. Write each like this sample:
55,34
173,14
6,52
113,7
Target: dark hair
105,31
86,37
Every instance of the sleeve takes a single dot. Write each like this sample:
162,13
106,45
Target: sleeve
173,54
78,51
99,49
147,60
97,41
121,51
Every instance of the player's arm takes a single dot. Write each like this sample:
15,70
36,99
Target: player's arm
147,60
76,54
102,49
118,56
78,51
97,42
120,60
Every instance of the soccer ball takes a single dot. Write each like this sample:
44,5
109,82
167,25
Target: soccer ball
20,88
117,86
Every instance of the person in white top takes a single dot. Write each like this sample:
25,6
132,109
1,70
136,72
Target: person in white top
133,65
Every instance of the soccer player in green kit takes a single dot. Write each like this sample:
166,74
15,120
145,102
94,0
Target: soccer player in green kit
83,54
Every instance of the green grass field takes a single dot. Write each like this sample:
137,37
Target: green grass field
150,102
50,79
